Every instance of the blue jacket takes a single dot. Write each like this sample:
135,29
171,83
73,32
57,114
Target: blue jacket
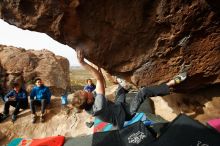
41,92
89,88
20,96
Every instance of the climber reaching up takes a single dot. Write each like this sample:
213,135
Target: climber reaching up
119,112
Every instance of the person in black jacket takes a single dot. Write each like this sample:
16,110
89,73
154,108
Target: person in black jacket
17,97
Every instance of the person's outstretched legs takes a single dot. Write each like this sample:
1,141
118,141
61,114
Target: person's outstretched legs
147,92
159,90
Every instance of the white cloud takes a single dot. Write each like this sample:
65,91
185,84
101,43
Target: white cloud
13,36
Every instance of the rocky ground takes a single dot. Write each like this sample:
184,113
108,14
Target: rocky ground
64,121
202,105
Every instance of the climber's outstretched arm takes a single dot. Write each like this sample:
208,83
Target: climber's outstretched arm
97,74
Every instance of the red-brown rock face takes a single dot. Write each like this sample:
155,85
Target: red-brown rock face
145,41
19,65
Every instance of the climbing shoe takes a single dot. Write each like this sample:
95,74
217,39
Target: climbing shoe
124,83
180,77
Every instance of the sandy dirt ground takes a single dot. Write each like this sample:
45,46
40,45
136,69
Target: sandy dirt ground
59,121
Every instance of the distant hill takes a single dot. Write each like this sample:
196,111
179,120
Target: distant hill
76,67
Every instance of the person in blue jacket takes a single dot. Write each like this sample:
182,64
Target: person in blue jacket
17,97
90,86
40,95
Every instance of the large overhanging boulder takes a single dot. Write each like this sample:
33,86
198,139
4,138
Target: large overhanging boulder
146,41
24,66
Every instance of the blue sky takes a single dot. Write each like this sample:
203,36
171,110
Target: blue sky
13,36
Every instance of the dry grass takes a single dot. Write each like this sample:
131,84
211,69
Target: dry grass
78,76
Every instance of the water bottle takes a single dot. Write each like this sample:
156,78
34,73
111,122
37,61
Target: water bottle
64,100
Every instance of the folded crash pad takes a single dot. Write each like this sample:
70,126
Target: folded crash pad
101,126
148,119
133,135
79,141
215,123
185,131
48,141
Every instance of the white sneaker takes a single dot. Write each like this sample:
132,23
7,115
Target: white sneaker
180,77
124,84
